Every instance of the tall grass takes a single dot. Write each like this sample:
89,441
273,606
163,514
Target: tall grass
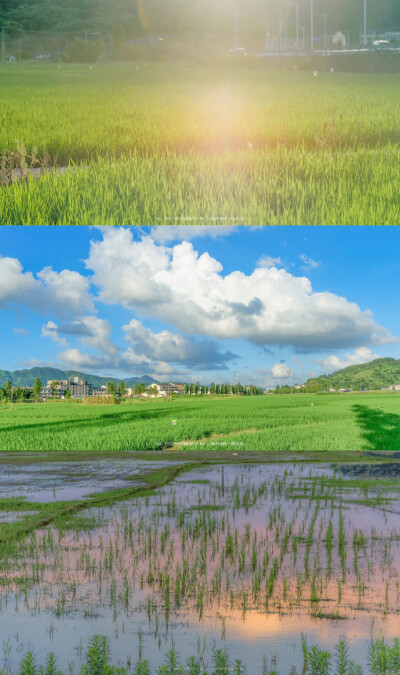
249,147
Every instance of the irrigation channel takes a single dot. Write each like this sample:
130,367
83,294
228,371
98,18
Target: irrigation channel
244,558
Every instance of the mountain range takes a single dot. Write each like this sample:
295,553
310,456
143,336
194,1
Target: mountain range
373,375
26,378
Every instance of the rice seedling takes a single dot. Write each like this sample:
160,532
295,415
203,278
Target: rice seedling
383,661
156,558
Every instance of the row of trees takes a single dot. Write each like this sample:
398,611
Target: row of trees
9,393
198,17
216,389
138,389
286,389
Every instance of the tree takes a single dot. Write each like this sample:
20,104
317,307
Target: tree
152,391
212,388
142,388
67,394
8,390
37,388
136,389
186,389
18,394
26,394
122,388
111,389
53,387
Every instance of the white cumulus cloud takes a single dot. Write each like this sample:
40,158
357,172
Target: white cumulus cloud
190,292
360,355
65,293
176,347
281,371
51,330
92,332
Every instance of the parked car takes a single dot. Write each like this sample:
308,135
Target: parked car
240,51
381,46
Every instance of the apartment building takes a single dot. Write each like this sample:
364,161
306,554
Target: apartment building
57,388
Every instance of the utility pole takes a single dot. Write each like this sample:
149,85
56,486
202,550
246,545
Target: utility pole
235,23
266,35
297,25
3,44
325,15
312,24
365,23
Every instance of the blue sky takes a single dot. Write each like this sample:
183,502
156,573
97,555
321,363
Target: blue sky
269,305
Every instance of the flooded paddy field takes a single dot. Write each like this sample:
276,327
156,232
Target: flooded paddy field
44,481
251,562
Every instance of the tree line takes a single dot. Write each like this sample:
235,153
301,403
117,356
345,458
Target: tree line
197,17
10,393
217,389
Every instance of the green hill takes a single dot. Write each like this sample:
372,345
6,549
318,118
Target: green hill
373,375
26,378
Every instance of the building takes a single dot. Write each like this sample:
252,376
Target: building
58,388
172,388
392,387
166,389
338,39
99,391
79,388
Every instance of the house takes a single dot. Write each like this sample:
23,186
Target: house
393,37
392,387
99,391
166,389
339,39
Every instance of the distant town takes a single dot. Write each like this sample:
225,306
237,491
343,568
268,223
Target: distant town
77,388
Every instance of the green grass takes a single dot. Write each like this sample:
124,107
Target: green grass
202,145
269,423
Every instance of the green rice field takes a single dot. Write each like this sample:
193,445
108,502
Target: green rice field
271,423
142,144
